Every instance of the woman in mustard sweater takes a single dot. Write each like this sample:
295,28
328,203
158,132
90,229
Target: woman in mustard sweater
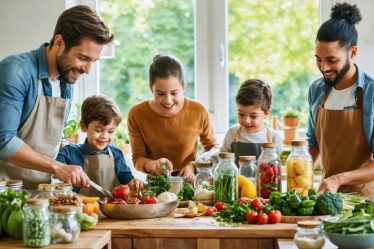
168,127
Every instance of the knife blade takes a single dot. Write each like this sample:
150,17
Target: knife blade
102,190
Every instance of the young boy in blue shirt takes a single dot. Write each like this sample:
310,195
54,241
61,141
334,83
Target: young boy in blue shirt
103,162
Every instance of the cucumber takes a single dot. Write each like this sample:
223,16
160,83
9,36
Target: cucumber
15,223
5,216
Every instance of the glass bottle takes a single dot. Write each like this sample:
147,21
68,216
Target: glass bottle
204,174
16,185
65,227
299,168
308,235
226,179
36,229
269,171
248,168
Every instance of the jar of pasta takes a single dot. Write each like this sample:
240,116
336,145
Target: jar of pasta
299,168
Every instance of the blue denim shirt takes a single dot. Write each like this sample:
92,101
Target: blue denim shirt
19,76
318,89
73,154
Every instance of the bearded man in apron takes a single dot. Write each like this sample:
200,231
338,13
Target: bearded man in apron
340,127
35,94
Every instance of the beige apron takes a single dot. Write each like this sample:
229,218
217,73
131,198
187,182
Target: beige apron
100,169
42,132
342,143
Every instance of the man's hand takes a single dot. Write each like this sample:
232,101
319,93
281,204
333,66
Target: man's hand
330,184
136,184
72,174
154,167
188,172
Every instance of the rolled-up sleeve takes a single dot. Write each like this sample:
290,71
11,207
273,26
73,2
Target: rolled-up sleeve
13,91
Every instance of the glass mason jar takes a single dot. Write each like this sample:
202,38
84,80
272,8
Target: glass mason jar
204,174
226,179
308,235
176,183
269,171
16,185
45,191
63,188
2,186
36,229
299,168
248,168
65,227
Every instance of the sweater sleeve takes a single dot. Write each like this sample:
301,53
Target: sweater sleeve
138,145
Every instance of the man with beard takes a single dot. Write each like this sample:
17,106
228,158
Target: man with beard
340,126
35,98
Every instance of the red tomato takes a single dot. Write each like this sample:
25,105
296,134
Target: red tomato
121,191
262,218
220,205
209,211
275,216
244,200
132,200
110,201
251,217
119,201
149,200
257,205
265,193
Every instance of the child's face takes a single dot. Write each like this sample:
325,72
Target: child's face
99,136
168,95
251,118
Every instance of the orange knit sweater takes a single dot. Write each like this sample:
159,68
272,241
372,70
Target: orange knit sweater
154,136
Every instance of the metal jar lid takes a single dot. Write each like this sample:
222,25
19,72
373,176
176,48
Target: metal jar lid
14,183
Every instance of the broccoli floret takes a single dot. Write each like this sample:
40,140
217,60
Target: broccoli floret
329,204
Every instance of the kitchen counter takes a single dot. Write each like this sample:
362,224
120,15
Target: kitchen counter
290,244
87,240
196,233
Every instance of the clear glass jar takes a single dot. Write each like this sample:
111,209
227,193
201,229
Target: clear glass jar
2,186
269,171
63,188
65,227
36,229
176,183
248,168
16,185
45,191
226,179
204,174
299,168
308,235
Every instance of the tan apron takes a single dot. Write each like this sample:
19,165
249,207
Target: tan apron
342,143
247,149
100,169
42,132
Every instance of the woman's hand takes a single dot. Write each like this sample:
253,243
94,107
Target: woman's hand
188,172
154,167
135,184
330,184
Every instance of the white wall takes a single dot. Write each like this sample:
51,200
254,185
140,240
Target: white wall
25,24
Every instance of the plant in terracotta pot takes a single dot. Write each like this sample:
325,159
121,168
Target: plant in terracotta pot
291,122
71,129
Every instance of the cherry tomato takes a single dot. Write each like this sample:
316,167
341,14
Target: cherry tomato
275,216
132,200
209,211
121,191
149,200
262,218
251,217
257,205
120,201
220,205
244,200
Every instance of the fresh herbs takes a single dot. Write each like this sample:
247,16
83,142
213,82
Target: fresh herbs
235,212
186,193
158,184
226,186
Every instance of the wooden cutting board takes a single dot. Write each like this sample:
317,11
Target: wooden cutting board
295,219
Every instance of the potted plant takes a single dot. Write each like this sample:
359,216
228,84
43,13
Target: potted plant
291,118
122,140
71,129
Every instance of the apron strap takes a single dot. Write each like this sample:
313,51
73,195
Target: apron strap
237,134
359,100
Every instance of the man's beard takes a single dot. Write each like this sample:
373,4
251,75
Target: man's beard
339,75
64,69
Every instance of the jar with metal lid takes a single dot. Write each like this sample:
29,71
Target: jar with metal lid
65,227
204,174
226,179
2,186
16,185
176,183
248,168
308,235
269,171
36,229
63,188
45,191
299,168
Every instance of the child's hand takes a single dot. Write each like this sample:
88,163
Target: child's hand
136,184
154,167
188,172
